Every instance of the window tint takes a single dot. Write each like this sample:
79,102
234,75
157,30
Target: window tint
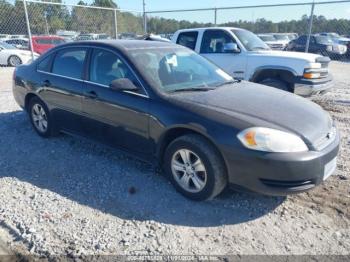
107,66
69,62
45,64
302,40
58,41
43,41
188,39
214,41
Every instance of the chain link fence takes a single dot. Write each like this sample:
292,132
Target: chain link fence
29,24
303,27
83,22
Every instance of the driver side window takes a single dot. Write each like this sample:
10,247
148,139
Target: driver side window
214,41
107,66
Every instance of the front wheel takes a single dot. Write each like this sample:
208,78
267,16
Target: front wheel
195,168
14,61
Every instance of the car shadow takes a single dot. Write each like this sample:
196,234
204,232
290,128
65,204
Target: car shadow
112,181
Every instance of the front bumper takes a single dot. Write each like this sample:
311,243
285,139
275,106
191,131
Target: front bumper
281,173
309,87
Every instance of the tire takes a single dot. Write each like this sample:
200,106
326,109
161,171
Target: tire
39,114
277,83
201,185
14,61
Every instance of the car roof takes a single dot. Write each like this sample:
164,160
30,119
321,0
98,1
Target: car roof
214,27
46,36
125,45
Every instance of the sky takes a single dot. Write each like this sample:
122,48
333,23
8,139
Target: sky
272,13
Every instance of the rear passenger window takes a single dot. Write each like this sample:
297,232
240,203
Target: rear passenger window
45,64
44,41
69,62
188,39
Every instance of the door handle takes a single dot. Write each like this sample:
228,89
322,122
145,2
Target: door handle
46,83
90,94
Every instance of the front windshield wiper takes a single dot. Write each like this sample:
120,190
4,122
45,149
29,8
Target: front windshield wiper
228,82
192,89
259,48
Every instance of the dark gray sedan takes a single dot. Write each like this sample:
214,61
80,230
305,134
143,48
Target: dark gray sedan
172,107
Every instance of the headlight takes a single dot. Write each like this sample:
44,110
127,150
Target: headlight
271,140
329,48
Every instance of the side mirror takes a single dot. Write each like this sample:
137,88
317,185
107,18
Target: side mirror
123,84
231,48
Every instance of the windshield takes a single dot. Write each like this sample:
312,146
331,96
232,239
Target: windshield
324,40
250,41
267,38
6,46
178,69
281,37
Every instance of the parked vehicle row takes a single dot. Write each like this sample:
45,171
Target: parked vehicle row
327,44
11,56
176,109
319,44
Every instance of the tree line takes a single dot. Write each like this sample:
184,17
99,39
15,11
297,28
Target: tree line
47,19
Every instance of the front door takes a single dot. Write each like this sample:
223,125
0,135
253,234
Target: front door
213,48
117,118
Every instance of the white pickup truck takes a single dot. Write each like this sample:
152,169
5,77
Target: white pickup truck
245,56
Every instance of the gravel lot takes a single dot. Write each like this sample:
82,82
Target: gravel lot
71,196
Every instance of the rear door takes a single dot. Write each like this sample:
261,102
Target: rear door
61,77
117,118
188,39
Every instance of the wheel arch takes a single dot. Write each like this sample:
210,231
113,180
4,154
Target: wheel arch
177,131
280,72
27,99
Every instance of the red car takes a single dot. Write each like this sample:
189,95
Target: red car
43,43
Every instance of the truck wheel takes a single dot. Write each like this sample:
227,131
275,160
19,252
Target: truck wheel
195,168
277,83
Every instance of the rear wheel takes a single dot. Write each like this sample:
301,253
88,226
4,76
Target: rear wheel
40,117
195,168
14,61
277,83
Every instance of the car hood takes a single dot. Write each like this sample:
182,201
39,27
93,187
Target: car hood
259,105
288,55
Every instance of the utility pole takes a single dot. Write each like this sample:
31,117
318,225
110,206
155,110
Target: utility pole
311,21
28,28
144,17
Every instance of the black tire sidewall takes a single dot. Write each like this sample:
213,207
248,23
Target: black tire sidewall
207,191
276,83
33,102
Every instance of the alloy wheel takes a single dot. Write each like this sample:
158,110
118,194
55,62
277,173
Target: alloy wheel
39,118
188,170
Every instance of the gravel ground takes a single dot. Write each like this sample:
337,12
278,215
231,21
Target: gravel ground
69,196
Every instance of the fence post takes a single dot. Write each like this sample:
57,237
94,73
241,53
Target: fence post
28,28
215,16
115,24
144,17
311,20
